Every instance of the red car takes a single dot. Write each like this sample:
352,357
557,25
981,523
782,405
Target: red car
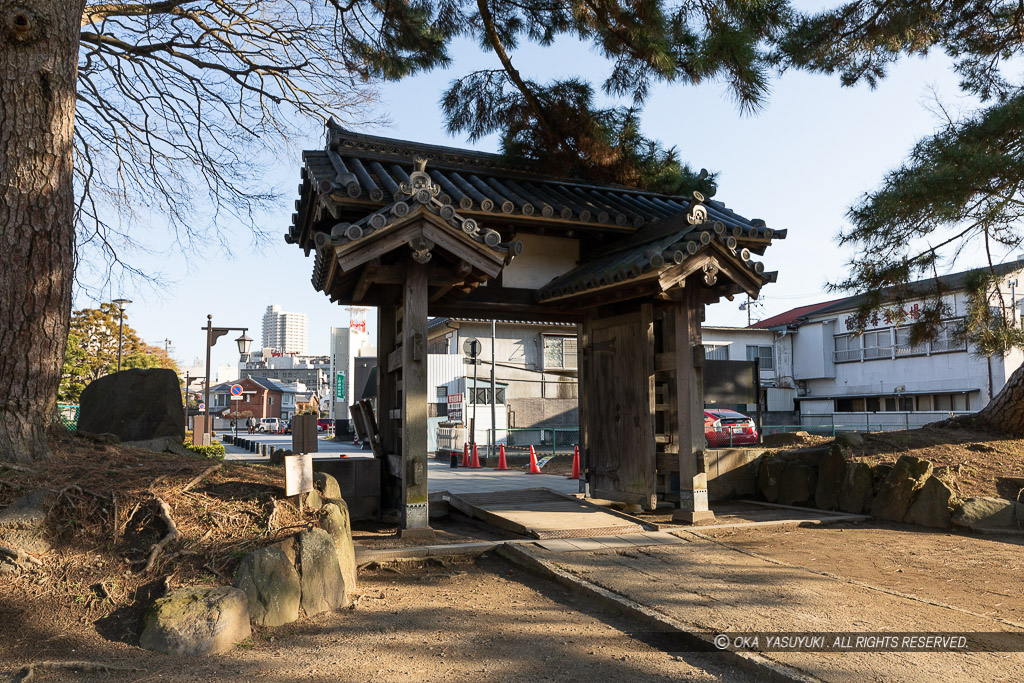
725,428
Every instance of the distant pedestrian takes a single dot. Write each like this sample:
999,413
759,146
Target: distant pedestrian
234,425
251,423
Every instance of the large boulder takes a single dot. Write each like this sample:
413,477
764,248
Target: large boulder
990,513
769,475
798,484
136,405
335,520
197,621
857,490
323,586
931,508
831,470
271,585
899,488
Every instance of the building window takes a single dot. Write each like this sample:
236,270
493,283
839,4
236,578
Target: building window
903,347
847,348
949,338
764,353
220,401
482,396
716,352
442,394
559,353
877,344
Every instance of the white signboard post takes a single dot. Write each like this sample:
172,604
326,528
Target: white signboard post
298,474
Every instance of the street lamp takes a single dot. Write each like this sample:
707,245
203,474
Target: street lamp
212,335
121,305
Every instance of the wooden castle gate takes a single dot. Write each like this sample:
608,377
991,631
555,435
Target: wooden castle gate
418,230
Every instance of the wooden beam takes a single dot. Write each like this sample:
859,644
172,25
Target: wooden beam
381,275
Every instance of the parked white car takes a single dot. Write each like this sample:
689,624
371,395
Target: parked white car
271,425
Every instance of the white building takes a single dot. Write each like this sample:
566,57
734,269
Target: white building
878,380
285,332
746,344
311,371
347,344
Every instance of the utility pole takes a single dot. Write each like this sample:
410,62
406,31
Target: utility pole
492,442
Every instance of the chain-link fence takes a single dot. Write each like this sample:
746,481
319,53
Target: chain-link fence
67,413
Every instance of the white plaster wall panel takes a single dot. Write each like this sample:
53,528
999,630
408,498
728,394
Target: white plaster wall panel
544,258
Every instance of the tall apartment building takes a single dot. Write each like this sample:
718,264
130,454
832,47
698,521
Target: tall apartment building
284,332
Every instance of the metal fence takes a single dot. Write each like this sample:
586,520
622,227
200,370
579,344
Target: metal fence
545,440
827,424
67,413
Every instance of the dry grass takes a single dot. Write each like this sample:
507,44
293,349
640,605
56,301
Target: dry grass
106,524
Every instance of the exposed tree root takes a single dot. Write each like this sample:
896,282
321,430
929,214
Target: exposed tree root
18,468
28,672
172,534
208,471
19,555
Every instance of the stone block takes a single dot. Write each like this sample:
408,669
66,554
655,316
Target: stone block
990,513
831,473
798,484
931,507
197,621
769,476
334,519
898,490
271,586
323,586
857,489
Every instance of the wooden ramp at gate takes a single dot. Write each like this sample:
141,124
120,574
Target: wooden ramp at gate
543,513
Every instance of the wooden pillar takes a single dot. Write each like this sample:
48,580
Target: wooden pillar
387,406
689,350
414,398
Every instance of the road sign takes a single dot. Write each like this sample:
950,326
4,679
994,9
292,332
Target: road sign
236,389
237,398
471,361
202,406
472,347
339,386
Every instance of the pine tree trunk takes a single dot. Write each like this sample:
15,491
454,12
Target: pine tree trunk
1004,413
38,69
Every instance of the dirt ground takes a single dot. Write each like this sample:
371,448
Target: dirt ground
833,579
468,620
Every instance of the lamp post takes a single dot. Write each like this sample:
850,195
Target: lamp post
212,335
121,305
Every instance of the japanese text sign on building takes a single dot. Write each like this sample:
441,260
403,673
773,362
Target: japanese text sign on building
339,386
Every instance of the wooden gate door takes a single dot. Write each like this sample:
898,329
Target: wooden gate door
617,401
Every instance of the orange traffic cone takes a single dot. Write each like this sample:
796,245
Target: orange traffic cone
476,459
502,465
465,455
575,463
533,462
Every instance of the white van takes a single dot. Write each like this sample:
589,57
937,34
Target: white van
269,424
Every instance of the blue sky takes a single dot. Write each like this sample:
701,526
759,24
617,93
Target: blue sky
798,164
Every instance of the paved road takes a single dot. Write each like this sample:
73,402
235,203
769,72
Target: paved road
441,477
